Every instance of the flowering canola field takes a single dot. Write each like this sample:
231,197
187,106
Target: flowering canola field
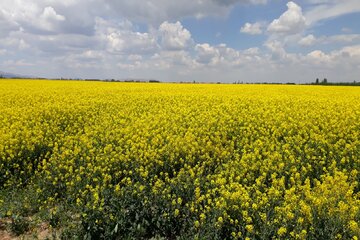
192,161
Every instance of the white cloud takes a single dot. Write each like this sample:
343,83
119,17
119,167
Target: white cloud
23,44
7,25
341,60
158,11
279,53
174,36
120,38
319,57
290,22
222,56
308,40
252,28
207,54
131,66
276,47
135,57
91,54
252,51
49,19
50,14
171,65
174,59
130,42
331,9
346,30
52,17
18,63
350,51
343,39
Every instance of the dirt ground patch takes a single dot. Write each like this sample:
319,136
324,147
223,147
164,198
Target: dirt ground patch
40,232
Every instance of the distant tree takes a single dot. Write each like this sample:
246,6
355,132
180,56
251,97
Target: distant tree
324,81
317,81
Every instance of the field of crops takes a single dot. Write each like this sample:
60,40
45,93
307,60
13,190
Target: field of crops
189,161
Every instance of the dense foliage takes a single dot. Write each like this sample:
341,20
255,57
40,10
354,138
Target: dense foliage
131,160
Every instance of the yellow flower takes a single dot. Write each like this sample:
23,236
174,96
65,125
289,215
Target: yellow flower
176,212
197,224
117,188
281,231
353,225
249,228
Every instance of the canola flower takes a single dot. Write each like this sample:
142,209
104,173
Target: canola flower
196,161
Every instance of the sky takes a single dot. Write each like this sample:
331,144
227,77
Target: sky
189,40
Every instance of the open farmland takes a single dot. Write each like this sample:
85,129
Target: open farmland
136,160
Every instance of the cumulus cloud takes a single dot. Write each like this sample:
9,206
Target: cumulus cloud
49,19
252,28
30,15
308,40
319,57
226,57
290,22
276,48
170,59
50,14
279,53
351,51
120,38
130,42
342,39
44,16
343,60
174,36
207,54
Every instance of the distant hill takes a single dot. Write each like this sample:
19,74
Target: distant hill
13,75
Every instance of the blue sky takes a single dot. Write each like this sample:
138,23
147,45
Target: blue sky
202,40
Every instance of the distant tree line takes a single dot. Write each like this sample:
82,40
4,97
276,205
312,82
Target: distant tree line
327,83
273,83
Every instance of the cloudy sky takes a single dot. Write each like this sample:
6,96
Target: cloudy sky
201,40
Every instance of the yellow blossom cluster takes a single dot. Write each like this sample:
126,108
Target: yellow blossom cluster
194,160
